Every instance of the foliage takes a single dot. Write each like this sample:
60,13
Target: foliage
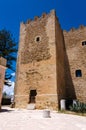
8,48
78,107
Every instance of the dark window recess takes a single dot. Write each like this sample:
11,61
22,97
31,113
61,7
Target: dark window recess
78,73
83,43
32,98
38,39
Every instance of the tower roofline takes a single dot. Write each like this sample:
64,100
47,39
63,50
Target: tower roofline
36,18
81,27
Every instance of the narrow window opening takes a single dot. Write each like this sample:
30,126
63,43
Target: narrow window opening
83,43
78,73
38,39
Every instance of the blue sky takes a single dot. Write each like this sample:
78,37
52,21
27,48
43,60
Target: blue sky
71,13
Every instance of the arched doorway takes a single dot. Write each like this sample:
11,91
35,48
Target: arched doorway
32,97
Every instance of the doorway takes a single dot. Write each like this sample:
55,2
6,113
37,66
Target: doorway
32,98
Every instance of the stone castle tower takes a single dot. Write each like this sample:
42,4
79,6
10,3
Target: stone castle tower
51,63
40,66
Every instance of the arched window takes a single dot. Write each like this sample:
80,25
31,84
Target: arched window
37,39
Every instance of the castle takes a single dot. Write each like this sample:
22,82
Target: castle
51,63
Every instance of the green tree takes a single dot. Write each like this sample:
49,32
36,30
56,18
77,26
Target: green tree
8,49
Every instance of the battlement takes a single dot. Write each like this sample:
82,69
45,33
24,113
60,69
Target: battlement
37,18
72,30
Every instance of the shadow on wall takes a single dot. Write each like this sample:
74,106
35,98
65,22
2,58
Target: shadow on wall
70,90
65,86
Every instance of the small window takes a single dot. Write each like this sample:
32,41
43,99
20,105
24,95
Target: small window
83,43
78,73
38,39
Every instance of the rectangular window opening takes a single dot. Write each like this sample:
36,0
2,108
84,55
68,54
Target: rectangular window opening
83,43
78,73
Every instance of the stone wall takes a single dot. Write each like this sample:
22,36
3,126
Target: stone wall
2,74
75,60
37,63
36,50
47,62
60,55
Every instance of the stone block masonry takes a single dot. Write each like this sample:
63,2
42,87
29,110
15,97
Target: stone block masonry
2,76
76,54
51,63
38,78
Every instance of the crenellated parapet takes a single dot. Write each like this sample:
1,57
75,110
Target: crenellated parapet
37,18
73,30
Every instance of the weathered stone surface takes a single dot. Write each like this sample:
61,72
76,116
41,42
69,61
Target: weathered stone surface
76,59
2,74
47,61
37,63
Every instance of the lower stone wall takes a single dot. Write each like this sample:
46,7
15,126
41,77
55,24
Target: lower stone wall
21,101
2,75
47,101
42,101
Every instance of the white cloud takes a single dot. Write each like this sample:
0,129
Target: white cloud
13,74
9,90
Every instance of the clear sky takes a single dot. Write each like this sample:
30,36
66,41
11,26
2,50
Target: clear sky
71,13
